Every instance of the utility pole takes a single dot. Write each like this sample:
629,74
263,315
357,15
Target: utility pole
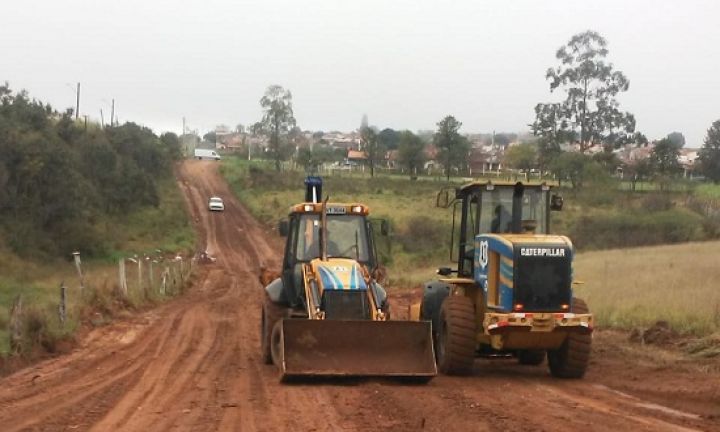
102,119
112,113
86,117
77,102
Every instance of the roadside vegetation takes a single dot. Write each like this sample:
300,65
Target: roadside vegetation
628,284
105,192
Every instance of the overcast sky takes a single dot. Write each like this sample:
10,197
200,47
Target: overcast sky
406,64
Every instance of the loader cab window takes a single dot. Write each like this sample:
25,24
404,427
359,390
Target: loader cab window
347,238
497,206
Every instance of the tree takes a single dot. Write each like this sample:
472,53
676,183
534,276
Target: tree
411,152
389,138
553,130
311,160
504,139
709,156
373,148
240,128
210,137
664,158
677,138
278,119
522,156
638,170
171,142
574,167
590,110
453,148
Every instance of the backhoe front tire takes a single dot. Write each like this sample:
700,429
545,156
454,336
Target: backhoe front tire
455,339
572,358
271,313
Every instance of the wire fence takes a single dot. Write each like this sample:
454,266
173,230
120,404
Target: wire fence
138,279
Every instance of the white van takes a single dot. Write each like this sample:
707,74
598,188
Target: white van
206,154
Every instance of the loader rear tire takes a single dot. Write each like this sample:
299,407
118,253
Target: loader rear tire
531,357
455,339
572,358
271,313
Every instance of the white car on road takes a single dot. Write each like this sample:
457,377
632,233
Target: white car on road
216,204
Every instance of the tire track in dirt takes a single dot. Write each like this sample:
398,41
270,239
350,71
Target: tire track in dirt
194,364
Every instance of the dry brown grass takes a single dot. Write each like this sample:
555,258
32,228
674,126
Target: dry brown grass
629,288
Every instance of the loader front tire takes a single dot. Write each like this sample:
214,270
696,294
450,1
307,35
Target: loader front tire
572,358
455,339
271,313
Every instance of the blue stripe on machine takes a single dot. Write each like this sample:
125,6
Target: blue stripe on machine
329,280
506,271
356,280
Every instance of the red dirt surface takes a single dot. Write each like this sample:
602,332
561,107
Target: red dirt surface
194,364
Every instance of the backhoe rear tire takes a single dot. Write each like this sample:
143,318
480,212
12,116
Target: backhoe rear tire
572,358
271,313
455,339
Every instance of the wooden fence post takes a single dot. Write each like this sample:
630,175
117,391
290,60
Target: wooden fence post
152,282
122,280
140,284
165,277
78,266
62,306
16,330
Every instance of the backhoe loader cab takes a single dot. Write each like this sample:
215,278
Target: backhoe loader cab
325,314
513,290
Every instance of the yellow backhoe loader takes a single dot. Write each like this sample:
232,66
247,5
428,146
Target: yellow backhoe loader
325,314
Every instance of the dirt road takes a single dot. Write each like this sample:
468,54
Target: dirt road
194,364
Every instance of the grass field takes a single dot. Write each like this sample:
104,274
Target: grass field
626,288
636,287
166,228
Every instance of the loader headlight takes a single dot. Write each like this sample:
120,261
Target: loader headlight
308,208
356,209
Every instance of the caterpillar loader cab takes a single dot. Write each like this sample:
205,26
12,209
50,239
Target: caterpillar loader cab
325,314
511,292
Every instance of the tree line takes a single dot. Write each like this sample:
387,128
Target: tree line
60,179
575,139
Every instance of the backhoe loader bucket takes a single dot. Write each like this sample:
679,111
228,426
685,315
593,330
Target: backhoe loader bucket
304,348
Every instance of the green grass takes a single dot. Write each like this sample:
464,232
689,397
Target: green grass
708,190
166,228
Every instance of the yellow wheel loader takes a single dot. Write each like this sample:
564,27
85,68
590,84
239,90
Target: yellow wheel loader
325,314
511,295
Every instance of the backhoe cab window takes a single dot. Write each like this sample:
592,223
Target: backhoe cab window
347,237
497,208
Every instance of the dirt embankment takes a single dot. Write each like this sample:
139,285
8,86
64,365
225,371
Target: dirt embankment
194,364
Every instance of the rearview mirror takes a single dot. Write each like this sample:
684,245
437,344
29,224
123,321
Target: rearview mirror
284,228
384,228
556,202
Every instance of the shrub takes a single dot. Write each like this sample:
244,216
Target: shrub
605,231
422,235
654,202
